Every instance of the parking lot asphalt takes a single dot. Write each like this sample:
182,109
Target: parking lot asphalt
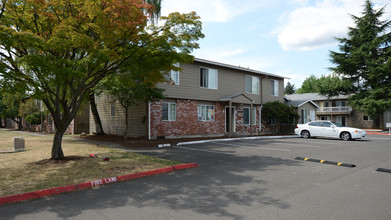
246,179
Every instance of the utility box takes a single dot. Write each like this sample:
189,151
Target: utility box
18,144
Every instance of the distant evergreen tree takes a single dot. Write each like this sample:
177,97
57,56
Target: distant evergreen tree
364,63
289,88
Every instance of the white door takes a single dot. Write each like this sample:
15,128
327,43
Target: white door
312,115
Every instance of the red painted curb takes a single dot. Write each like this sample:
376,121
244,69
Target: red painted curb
378,133
185,166
57,190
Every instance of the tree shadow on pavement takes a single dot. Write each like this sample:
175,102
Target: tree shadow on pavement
222,186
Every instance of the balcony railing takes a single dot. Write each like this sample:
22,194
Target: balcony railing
336,109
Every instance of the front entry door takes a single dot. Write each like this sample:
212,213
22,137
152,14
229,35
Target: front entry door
227,121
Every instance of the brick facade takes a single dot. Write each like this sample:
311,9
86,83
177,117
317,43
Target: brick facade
187,123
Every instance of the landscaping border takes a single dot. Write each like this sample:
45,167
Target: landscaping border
70,188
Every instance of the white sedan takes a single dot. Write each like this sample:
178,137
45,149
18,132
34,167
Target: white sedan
328,129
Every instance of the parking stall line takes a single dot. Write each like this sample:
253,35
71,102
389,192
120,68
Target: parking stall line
211,151
300,145
262,148
266,148
280,143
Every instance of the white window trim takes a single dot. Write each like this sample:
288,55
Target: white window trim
306,115
217,78
245,84
175,72
369,118
340,122
254,116
198,113
327,118
112,111
170,104
276,92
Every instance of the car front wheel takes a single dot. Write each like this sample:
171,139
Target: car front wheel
305,134
345,136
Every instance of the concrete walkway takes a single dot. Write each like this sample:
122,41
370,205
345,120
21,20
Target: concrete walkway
121,147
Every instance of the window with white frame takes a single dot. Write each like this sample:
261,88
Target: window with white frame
341,120
112,111
169,111
252,84
174,75
340,103
367,118
208,78
274,87
326,118
206,112
246,116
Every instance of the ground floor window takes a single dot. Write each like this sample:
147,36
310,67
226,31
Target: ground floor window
366,118
112,111
206,112
169,112
246,116
341,120
326,118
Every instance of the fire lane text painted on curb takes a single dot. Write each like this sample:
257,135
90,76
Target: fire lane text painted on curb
104,181
57,190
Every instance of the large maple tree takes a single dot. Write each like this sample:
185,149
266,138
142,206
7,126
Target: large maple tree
61,49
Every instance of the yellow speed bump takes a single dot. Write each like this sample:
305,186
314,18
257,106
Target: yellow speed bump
325,161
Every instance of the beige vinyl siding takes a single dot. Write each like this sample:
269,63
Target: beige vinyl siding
267,90
116,125
307,106
230,81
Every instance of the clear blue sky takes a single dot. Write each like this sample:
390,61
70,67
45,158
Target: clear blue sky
291,38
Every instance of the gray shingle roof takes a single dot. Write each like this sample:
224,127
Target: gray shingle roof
314,97
238,68
298,103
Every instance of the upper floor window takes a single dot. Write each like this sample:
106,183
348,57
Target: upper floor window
169,111
252,84
274,87
208,78
174,75
340,103
246,116
206,112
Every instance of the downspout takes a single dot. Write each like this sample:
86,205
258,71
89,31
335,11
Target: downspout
149,120
260,110
260,120
251,118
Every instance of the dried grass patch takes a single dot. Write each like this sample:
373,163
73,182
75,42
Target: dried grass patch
31,170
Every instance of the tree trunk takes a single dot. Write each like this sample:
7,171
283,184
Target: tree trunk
57,152
18,122
95,114
126,124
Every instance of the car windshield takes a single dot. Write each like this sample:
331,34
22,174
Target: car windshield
338,125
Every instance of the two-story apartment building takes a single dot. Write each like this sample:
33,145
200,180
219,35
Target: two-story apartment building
206,98
334,109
